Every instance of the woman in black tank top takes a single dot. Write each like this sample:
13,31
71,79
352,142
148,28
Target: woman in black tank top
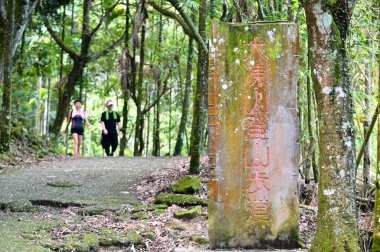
77,117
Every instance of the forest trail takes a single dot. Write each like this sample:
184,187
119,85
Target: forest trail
93,181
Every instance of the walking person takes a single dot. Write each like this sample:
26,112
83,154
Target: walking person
77,117
109,120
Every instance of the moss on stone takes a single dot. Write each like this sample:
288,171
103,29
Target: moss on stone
92,211
149,207
135,238
150,234
199,239
21,206
189,214
108,237
122,217
158,212
140,216
62,184
187,185
180,199
82,243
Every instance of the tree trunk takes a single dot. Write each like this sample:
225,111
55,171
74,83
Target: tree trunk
186,101
199,111
327,26
7,44
65,94
311,162
156,128
139,136
125,82
37,112
367,148
376,228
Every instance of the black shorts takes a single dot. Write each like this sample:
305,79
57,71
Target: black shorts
78,131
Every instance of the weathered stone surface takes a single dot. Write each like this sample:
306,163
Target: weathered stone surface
189,214
253,149
180,199
188,184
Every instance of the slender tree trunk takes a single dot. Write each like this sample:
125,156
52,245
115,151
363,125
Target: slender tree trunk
376,228
37,112
156,128
367,149
199,111
186,101
125,82
5,116
327,25
139,136
311,162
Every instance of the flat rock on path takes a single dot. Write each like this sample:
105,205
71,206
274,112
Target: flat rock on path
100,181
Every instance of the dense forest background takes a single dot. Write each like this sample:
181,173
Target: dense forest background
150,57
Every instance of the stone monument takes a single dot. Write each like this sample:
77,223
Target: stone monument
253,134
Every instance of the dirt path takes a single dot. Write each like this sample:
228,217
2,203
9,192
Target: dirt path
104,181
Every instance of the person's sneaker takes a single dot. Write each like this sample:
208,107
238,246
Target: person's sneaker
111,154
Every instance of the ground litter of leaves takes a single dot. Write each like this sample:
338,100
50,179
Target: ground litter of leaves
169,232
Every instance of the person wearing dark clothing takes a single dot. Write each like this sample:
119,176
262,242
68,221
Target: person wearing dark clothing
109,120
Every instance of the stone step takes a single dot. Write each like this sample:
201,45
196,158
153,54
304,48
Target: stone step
251,250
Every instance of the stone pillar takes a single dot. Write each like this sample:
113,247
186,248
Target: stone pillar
253,127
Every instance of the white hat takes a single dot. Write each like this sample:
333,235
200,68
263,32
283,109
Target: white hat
109,103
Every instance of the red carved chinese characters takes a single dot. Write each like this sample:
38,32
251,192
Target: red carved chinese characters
255,126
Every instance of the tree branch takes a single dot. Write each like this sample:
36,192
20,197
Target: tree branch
108,49
70,52
189,23
174,16
94,30
164,90
25,12
367,136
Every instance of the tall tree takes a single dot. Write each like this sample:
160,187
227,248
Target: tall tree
328,26
156,128
186,101
367,148
199,111
126,76
14,17
376,228
80,60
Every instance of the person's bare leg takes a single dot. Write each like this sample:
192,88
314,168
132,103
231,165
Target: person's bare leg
75,144
80,139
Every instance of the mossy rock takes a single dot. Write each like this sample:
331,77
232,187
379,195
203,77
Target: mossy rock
180,199
189,214
122,217
108,237
21,206
150,207
158,212
140,216
65,184
91,211
187,185
176,226
199,239
150,234
135,238
82,243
